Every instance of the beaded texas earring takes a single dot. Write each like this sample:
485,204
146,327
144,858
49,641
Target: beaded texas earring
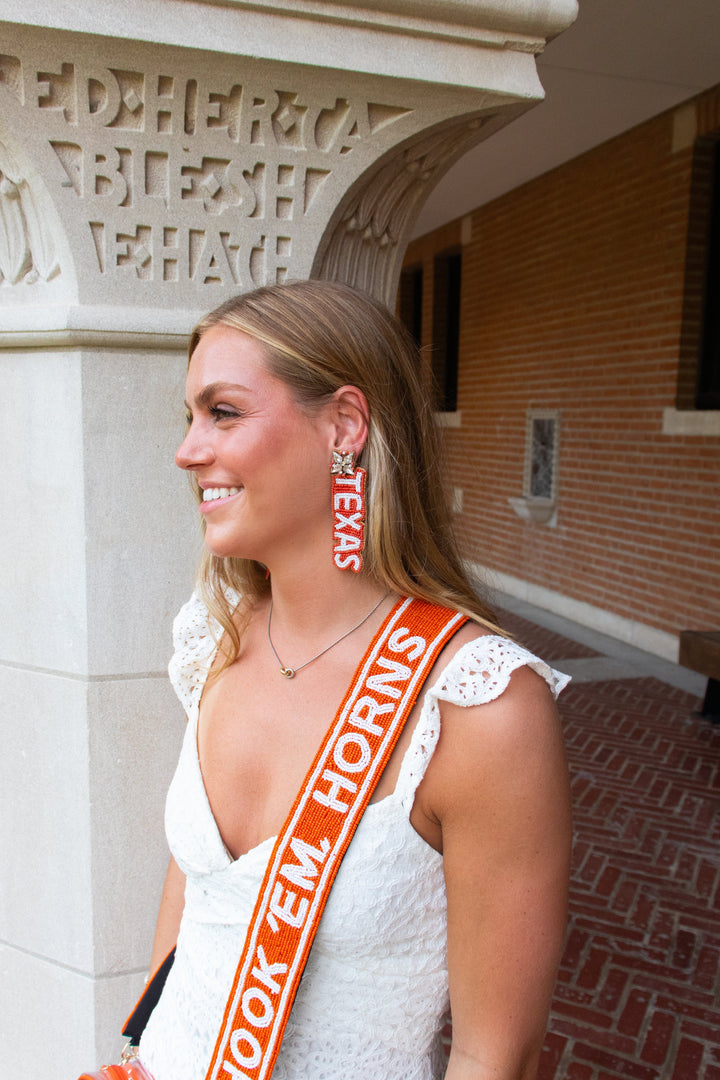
348,499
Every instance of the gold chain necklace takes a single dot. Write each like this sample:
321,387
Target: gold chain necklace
290,673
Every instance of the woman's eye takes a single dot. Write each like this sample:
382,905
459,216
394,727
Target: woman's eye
218,412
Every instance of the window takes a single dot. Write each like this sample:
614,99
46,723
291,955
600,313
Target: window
410,301
699,356
540,455
708,381
447,274
538,502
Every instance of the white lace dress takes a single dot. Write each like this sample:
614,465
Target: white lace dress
375,989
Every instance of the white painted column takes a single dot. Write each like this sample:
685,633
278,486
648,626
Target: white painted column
97,545
155,158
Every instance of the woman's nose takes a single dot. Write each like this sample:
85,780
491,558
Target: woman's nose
194,451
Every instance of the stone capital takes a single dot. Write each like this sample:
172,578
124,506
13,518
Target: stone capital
449,41
142,183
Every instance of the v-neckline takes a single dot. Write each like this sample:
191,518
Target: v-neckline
194,727
194,724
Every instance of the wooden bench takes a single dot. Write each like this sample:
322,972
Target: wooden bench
700,651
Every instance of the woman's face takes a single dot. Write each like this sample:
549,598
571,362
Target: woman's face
262,463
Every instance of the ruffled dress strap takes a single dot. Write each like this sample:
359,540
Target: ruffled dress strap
478,673
195,638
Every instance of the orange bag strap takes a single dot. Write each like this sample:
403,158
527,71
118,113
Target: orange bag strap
313,840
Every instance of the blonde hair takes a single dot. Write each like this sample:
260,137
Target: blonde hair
317,337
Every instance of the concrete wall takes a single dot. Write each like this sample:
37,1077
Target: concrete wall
98,544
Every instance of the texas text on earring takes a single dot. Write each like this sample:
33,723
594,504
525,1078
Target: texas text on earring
348,497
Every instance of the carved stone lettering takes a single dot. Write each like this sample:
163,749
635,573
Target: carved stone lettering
191,179
11,74
159,162
56,92
180,173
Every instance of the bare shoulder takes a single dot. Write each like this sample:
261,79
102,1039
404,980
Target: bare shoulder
499,754
495,800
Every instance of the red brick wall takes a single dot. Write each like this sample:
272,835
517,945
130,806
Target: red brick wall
573,300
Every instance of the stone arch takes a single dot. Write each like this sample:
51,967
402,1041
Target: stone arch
366,238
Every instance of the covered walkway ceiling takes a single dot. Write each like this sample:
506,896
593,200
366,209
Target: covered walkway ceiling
622,62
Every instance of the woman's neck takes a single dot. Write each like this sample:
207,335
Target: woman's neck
315,604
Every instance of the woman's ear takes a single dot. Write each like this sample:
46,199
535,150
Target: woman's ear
350,415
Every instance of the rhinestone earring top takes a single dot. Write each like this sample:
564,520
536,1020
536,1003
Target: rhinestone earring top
343,464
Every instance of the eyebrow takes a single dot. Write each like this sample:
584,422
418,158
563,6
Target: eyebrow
209,392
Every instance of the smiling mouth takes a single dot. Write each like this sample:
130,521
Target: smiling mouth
211,494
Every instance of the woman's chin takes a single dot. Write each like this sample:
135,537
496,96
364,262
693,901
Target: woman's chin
225,547
228,551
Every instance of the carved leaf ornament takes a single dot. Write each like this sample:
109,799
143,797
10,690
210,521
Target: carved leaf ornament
26,249
365,247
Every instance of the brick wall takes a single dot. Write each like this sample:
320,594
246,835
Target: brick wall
573,299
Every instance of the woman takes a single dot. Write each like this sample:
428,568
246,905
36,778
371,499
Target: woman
453,889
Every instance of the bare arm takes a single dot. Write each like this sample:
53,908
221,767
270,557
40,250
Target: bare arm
169,915
500,788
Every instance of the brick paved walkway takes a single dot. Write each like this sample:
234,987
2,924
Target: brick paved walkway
638,990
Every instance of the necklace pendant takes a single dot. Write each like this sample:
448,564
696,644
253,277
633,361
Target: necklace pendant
288,672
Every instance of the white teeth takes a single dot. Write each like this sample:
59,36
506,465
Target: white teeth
210,494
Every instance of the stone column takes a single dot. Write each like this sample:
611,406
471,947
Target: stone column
193,151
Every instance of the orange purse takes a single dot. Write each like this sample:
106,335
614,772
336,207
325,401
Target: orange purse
130,1068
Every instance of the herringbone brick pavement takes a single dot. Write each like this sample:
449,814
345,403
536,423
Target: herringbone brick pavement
638,993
